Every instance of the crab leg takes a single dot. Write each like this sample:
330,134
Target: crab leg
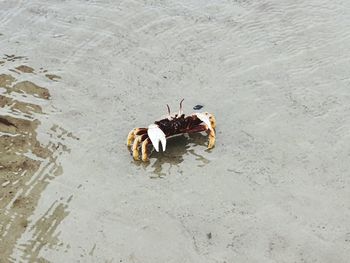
144,149
211,138
135,146
135,150
206,128
199,128
212,121
132,134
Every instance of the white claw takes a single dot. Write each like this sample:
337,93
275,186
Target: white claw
204,118
156,135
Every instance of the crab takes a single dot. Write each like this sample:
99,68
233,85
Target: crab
170,126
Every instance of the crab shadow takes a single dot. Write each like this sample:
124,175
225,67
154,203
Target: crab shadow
176,151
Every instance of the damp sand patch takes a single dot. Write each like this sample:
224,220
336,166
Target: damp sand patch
26,166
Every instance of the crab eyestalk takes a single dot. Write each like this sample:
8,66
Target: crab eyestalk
169,114
181,108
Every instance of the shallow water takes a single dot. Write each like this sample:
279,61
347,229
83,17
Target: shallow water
76,77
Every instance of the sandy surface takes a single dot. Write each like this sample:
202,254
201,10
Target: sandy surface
76,76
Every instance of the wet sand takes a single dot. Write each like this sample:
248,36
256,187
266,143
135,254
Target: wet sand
77,76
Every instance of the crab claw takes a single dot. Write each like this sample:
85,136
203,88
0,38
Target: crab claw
204,118
156,135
